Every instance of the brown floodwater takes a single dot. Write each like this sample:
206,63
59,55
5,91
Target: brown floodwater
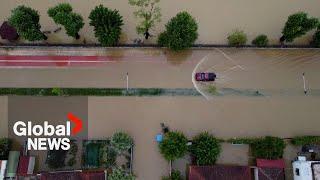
283,110
216,18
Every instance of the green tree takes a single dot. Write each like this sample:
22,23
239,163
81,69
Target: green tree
26,21
206,149
149,12
268,148
175,175
261,40
297,25
120,174
181,32
173,146
107,25
72,22
237,38
5,147
121,142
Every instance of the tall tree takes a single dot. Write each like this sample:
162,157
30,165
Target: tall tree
297,25
72,22
149,12
26,21
107,25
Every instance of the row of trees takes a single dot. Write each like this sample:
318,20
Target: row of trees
297,25
180,32
106,22
205,149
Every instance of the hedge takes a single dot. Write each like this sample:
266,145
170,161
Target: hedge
81,91
305,140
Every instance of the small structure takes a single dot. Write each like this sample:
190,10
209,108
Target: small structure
270,169
221,172
8,32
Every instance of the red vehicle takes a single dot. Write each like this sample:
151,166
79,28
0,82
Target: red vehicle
205,76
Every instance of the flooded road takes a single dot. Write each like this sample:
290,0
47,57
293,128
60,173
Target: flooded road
270,71
283,110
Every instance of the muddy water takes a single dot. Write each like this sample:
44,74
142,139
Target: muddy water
216,18
285,111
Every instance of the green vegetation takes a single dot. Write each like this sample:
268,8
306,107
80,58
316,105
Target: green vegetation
120,174
121,142
5,147
72,153
107,25
260,41
150,13
268,148
57,92
181,32
212,90
97,92
72,22
26,21
79,92
98,154
175,175
173,146
205,148
242,140
305,140
237,38
297,25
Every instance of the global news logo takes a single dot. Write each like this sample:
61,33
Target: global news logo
47,136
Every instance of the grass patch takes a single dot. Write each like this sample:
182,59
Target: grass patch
212,90
81,92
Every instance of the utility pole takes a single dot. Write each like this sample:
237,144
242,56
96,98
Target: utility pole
127,81
304,83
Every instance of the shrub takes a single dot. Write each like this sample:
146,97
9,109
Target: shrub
5,147
120,174
206,149
72,22
57,91
297,25
212,90
107,25
237,38
268,148
175,175
305,140
109,156
173,146
181,32
121,142
60,8
150,13
261,41
26,21
72,152
242,140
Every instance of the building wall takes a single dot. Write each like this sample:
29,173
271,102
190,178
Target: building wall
216,17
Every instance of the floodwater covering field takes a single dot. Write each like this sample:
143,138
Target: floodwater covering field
216,18
283,110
